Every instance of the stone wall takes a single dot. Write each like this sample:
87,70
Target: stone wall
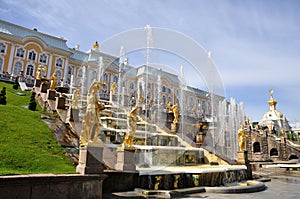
52,186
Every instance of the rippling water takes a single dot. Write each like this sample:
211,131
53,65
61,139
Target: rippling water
277,188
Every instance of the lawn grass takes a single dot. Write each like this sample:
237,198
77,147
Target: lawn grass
27,144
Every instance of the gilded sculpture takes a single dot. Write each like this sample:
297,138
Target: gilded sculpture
173,109
39,71
113,88
132,123
175,113
242,138
53,81
91,123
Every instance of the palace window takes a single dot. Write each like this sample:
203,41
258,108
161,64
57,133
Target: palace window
29,70
164,100
59,62
32,55
79,73
105,77
20,52
131,85
69,70
2,48
115,79
43,58
17,68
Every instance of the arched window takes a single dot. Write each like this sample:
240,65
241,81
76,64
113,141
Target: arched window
79,73
20,52
29,70
105,77
32,55
2,48
59,62
163,89
1,65
17,68
164,100
274,152
131,85
256,147
69,70
43,58
115,79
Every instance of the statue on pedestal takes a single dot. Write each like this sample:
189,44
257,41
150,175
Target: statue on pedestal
53,81
175,112
39,70
242,138
91,123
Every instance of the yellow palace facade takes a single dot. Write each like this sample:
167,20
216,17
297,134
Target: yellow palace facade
23,50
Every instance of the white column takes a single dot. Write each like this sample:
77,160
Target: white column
49,66
11,57
66,70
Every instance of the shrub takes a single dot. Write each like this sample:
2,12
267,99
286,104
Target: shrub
3,96
16,83
32,103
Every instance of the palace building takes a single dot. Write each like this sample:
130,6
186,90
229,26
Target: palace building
23,50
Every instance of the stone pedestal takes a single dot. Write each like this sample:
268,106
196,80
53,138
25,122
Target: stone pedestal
61,103
173,128
90,160
200,138
44,87
241,157
125,159
73,115
51,94
37,83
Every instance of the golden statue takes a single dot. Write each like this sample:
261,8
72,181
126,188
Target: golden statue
175,112
169,106
132,123
271,94
242,138
283,133
96,46
91,123
53,81
113,88
39,71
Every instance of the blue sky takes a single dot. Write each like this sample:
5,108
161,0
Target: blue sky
255,44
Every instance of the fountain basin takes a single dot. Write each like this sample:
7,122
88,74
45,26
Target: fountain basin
249,186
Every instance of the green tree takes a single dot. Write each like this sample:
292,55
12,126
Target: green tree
32,103
3,96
